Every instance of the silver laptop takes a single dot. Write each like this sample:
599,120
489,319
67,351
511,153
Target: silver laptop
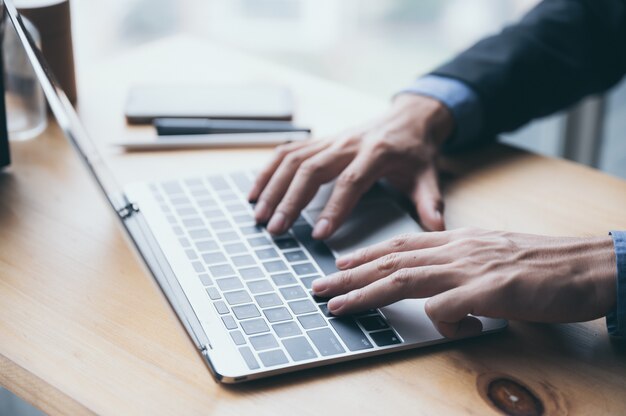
243,295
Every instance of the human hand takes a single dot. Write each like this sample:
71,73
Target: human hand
477,272
401,146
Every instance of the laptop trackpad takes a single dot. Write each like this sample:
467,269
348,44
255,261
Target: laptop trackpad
371,222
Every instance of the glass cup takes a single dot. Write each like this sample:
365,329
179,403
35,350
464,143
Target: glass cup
25,103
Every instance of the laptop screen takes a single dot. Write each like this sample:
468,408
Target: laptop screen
66,116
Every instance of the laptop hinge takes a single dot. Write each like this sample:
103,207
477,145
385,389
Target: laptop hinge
128,210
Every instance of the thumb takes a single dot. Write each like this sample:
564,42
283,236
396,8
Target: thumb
428,200
449,311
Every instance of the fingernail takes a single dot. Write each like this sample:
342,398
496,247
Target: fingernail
277,223
344,261
253,194
336,303
261,211
319,285
321,228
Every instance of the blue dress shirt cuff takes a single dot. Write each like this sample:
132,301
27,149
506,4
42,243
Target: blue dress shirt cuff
616,320
462,102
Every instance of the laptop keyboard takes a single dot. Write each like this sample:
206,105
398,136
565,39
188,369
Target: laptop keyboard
260,285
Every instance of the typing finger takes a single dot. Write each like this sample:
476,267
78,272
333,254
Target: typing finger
280,180
266,173
365,274
355,180
417,282
428,200
312,173
405,242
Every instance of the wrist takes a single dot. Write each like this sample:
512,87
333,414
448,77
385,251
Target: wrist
600,262
429,116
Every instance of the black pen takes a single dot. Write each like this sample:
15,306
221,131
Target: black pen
191,126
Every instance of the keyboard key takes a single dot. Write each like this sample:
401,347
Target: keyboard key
213,213
351,334
275,266
300,307
221,307
184,242
220,225
286,329
172,187
277,314
172,220
177,230
187,211
221,270
198,267
237,337
208,203
218,183
319,299
268,300
228,196
251,273
384,338
259,241
246,311
235,248
229,322
248,357
238,297
213,293
299,349
373,323
260,286
317,249
213,258
251,229
243,219
229,283
193,222
200,193
293,292
273,358
199,234
286,243
304,269
308,281
283,279
232,208
191,254
205,279
245,260
296,256
325,341
266,253
203,246
254,326
227,236
194,182
263,342
312,321
325,311
242,182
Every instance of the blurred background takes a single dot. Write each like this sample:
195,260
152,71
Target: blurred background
374,46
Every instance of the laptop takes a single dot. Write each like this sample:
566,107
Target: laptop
243,295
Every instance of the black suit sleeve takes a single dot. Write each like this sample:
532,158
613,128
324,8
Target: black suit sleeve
558,53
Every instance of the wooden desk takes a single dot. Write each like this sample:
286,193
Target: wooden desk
84,328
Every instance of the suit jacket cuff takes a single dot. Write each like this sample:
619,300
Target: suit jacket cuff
462,102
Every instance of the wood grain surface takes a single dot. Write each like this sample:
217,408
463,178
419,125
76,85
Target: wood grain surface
84,329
